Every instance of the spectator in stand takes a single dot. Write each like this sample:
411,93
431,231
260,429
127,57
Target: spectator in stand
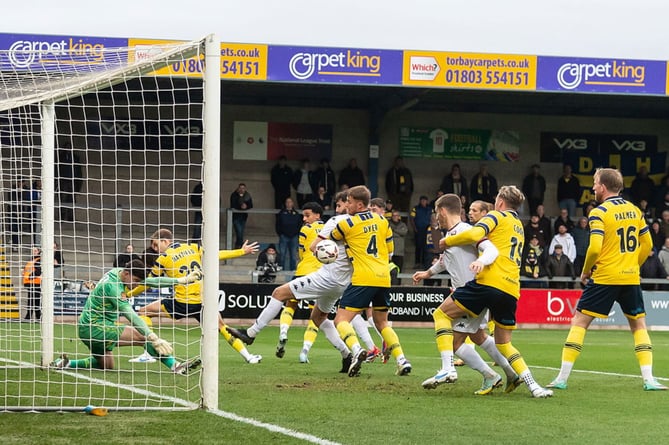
419,219
646,211
664,223
565,241
581,235
544,223
125,257
663,254
399,185
568,191
58,259
282,181
455,183
240,199
534,188
196,202
563,219
483,186
323,199
288,225
661,199
388,212
324,177
302,181
588,206
533,229
559,265
662,205
657,234
400,230
351,175
533,268
652,268
643,187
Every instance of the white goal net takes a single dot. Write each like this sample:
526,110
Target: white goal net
100,148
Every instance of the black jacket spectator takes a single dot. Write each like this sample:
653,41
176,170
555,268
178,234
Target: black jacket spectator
351,175
642,187
652,268
559,265
282,180
455,183
399,185
483,186
534,188
324,177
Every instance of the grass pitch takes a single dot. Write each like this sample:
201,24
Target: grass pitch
605,402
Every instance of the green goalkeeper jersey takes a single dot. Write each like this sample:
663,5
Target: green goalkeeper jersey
107,302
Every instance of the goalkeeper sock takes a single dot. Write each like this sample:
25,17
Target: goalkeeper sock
168,361
88,362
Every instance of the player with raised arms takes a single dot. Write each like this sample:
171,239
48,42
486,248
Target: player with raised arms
176,260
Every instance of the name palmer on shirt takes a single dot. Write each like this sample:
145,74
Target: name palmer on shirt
620,216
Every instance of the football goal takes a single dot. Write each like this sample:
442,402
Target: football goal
101,147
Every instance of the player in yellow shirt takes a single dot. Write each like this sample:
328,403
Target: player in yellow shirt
496,287
620,242
175,260
307,263
369,245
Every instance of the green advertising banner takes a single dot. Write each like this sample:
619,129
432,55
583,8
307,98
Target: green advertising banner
451,143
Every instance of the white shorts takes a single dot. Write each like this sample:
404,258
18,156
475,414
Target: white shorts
469,325
319,286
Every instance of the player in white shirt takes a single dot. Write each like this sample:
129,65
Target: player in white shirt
463,263
325,286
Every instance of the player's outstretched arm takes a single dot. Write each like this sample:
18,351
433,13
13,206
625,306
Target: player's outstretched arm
246,249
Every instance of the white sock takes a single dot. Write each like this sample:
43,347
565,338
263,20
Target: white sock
360,326
283,330
245,353
529,380
472,359
370,322
489,346
565,370
447,361
328,328
268,314
647,372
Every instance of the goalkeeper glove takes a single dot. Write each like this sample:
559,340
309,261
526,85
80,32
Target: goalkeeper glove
161,346
195,275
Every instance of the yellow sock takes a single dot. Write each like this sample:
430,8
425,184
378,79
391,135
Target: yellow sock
311,332
347,333
573,344
147,320
513,356
392,342
443,330
491,328
643,349
236,343
287,316
468,341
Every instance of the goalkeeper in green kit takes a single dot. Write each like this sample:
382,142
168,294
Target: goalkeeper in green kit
100,332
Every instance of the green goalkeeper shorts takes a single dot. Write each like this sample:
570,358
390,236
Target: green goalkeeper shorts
100,339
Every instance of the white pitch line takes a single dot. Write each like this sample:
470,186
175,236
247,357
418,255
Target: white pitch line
610,374
227,415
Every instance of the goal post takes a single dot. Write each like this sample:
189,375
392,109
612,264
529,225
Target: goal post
100,147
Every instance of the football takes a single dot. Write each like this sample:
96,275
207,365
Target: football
327,251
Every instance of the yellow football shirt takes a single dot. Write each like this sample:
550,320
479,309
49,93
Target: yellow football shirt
619,235
177,261
369,241
307,260
505,231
